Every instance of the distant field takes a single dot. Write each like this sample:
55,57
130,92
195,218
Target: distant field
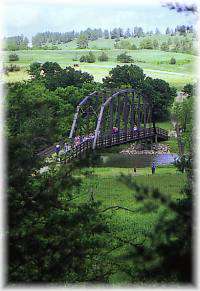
109,43
155,63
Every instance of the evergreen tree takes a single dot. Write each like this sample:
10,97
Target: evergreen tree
106,34
115,33
82,41
157,31
120,32
138,32
127,33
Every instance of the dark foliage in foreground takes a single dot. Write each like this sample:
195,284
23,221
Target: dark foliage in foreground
51,238
166,255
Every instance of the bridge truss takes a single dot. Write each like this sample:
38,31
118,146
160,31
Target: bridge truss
125,110
104,119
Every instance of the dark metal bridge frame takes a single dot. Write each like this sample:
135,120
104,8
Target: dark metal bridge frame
125,110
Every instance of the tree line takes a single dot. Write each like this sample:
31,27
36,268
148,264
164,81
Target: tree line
19,42
54,38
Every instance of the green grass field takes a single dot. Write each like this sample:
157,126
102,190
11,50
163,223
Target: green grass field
155,63
107,188
108,44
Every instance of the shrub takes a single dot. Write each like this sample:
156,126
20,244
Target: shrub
172,61
124,58
89,58
103,57
164,46
124,44
83,59
54,47
189,89
13,57
126,75
35,69
133,47
146,44
155,44
11,68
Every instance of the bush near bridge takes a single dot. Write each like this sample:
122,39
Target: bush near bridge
161,96
127,75
158,91
190,89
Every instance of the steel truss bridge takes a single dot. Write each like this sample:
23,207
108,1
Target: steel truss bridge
105,119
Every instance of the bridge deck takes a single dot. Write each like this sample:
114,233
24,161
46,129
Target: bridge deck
108,140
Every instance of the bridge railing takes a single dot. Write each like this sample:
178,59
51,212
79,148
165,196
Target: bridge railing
123,137
108,140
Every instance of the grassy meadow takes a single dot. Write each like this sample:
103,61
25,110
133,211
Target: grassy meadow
107,188
155,63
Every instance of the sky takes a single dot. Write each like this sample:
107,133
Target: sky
32,16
